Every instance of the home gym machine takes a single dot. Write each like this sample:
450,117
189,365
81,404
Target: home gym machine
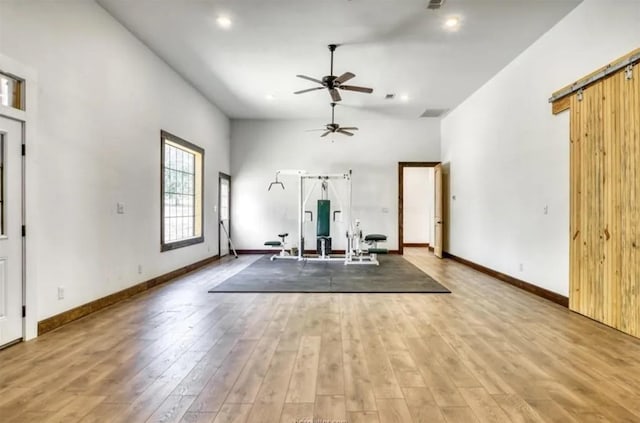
360,249
363,249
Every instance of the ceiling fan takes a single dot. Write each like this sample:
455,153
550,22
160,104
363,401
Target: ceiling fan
333,127
333,83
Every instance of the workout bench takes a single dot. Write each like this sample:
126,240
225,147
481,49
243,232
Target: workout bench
280,244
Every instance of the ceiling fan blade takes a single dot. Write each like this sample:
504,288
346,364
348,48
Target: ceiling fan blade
309,89
335,95
325,134
358,89
315,130
308,78
350,128
342,131
345,77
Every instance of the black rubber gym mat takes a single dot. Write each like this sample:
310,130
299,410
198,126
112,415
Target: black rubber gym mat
394,275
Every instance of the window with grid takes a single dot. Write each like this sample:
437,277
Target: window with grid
182,172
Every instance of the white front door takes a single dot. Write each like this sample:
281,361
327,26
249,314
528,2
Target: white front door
10,231
225,184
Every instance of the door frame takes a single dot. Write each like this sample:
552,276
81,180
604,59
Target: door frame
401,167
27,118
227,177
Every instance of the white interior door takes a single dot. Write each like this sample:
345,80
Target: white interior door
225,192
10,231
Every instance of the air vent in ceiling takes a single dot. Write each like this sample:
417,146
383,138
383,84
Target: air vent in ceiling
433,113
389,96
435,4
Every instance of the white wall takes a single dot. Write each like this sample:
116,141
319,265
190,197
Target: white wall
259,148
509,156
419,205
103,98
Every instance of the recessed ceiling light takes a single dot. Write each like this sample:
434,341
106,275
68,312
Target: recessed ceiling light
270,97
404,97
452,22
224,22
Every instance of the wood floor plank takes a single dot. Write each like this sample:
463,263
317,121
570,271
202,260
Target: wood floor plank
405,369
103,412
330,408
364,417
197,378
459,415
550,411
214,393
330,367
190,417
358,387
422,405
300,412
172,409
246,387
75,410
483,405
517,409
385,383
393,411
273,390
444,390
233,413
302,387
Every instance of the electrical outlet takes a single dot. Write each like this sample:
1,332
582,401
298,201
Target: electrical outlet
521,267
385,210
546,209
139,269
61,293
120,208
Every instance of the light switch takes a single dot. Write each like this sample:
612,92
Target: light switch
120,208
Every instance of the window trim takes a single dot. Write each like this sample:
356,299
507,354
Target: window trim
20,92
221,176
168,246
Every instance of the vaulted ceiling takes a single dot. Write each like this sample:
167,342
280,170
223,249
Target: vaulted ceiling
395,46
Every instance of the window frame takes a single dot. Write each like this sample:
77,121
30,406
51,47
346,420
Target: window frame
18,102
172,245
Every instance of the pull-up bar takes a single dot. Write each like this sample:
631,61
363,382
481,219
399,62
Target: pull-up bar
276,182
285,172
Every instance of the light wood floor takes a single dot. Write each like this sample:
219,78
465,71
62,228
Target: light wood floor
487,352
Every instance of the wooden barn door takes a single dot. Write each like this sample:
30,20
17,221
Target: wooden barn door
605,201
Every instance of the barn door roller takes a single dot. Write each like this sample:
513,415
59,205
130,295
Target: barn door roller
628,72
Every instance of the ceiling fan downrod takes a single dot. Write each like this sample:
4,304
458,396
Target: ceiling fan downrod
332,48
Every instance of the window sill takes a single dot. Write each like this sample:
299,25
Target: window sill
179,244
